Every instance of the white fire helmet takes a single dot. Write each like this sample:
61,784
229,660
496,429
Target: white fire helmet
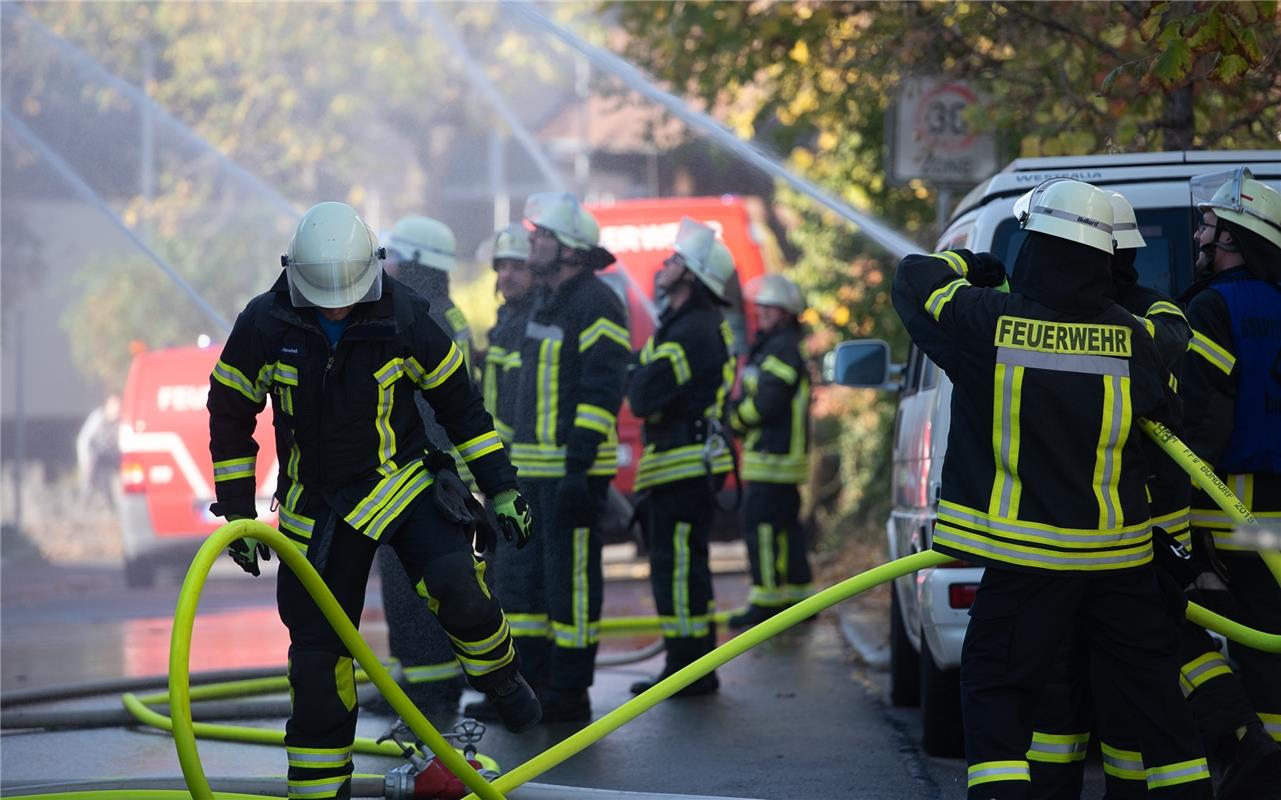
333,259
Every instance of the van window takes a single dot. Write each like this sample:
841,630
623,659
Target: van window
1165,264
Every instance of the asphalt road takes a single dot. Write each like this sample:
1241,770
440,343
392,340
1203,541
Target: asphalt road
801,716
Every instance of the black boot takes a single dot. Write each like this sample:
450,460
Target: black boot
511,702
566,705
705,685
752,615
1255,771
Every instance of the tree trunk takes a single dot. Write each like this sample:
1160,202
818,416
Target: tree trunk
1178,122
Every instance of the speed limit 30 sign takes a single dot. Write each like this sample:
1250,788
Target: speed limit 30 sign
931,138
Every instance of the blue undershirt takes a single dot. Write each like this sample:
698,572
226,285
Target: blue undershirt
333,329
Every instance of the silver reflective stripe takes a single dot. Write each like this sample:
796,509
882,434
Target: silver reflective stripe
489,440
322,788
988,547
1178,773
1007,418
1015,773
1053,212
1137,536
337,757
1064,362
429,673
1110,497
536,330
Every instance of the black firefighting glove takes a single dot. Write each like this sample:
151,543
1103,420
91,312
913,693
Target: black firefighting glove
514,517
576,506
246,552
984,269
1173,559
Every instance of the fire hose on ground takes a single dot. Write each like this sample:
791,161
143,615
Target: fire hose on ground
185,729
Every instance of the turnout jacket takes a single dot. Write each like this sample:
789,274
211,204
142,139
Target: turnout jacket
1044,468
1232,396
679,386
346,423
774,409
1169,492
573,367
500,369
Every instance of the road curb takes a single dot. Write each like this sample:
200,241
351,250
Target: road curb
865,633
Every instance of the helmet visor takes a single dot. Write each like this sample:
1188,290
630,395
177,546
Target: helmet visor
334,284
1220,189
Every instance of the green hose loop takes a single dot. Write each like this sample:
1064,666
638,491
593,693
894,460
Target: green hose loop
180,656
734,647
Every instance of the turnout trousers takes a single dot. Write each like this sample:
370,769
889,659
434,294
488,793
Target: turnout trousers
776,546
429,673
1223,698
552,590
449,582
678,526
1127,629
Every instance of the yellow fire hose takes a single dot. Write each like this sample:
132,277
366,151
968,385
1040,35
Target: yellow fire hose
1203,476
181,694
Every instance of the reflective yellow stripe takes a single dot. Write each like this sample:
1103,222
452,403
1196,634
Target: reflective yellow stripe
675,353
603,328
1007,403
1165,307
397,504
1211,351
1189,771
1148,325
547,401
480,666
775,467
233,378
318,757
1175,522
991,771
594,418
316,788
1058,748
1041,533
433,673
687,461
1126,765
1042,558
748,414
482,646
234,469
1113,432
531,625
765,555
480,446
386,378
953,260
580,582
447,367
548,461
1271,724
383,491
942,296
345,682
1201,669
680,581
779,369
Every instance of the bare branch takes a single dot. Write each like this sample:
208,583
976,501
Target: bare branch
1059,27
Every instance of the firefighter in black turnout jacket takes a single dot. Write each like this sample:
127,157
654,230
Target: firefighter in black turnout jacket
1232,420
678,387
773,418
342,350
500,370
421,254
1045,485
573,364
1071,709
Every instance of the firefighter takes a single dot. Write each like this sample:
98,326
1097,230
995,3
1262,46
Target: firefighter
341,348
421,255
1044,485
501,368
773,418
573,360
1068,709
1232,416
678,387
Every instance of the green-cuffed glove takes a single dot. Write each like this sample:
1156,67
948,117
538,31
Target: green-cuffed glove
246,552
514,517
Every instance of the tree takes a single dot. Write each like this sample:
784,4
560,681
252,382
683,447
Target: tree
815,81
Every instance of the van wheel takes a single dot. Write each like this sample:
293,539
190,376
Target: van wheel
942,733
140,573
905,663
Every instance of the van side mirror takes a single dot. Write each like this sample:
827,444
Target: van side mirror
862,364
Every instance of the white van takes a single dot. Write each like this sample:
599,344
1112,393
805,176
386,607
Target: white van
929,609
